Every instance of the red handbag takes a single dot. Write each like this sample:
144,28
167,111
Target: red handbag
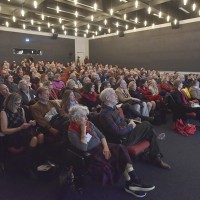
184,128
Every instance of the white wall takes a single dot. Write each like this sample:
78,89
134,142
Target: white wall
81,48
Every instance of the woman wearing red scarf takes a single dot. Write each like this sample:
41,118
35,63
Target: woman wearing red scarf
90,97
108,161
143,88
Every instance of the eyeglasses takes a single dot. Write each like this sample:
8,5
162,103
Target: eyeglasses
18,104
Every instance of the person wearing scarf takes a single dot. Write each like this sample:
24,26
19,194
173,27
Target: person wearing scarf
108,161
90,97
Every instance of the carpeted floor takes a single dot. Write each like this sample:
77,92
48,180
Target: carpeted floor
182,182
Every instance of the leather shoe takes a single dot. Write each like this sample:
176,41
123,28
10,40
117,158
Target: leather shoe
160,163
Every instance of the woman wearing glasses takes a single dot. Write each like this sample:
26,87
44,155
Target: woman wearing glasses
13,124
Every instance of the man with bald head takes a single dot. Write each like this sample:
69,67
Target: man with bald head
115,127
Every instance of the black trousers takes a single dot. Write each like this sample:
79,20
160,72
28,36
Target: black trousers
141,132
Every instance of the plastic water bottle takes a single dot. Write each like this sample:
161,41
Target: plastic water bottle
161,136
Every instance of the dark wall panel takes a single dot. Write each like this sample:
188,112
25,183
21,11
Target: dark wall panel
164,48
60,49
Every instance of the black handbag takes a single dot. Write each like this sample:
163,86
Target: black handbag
60,122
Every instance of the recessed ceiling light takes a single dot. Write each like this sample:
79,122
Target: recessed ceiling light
14,18
185,2
57,9
111,11
95,6
194,6
7,24
76,14
32,21
92,18
149,10
160,14
168,18
136,3
22,12
35,4
42,16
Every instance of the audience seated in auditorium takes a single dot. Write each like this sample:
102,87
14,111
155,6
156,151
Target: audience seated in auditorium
130,104
108,161
18,132
115,128
132,88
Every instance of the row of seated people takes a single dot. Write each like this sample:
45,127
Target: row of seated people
113,131
134,133
148,94
186,101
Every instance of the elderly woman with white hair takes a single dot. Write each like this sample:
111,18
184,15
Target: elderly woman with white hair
108,161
